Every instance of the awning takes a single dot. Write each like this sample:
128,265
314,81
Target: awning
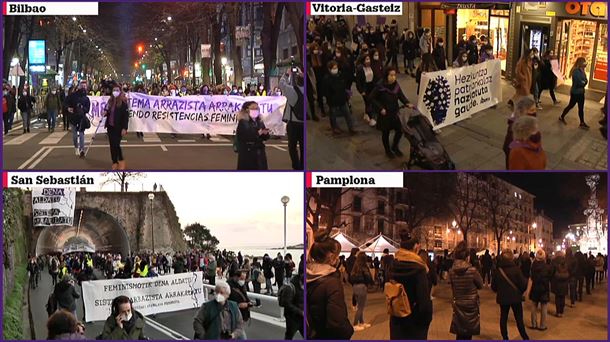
476,5
378,244
346,244
16,71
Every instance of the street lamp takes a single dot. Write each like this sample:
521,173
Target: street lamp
169,18
151,197
285,200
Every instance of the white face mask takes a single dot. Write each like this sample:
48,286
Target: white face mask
25,93
173,92
441,44
464,59
241,282
53,92
116,93
334,71
5,92
128,317
254,113
376,58
220,298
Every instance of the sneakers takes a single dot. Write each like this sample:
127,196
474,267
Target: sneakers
366,325
372,123
538,105
583,125
76,151
358,327
561,118
82,154
366,118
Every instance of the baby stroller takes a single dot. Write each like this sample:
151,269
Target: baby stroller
426,151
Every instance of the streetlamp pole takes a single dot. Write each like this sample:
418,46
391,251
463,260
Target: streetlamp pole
285,200
151,197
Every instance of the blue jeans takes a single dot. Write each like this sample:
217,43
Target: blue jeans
25,116
52,118
80,136
344,111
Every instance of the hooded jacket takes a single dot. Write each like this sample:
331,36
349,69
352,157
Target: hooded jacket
465,283
526,156
411,271
541,281
66,295
326,309
505,293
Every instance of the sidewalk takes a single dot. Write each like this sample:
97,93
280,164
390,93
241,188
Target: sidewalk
587,321
472,144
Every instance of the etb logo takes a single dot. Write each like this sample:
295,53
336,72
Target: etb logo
49,8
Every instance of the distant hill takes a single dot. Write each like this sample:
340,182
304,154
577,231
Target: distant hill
299,246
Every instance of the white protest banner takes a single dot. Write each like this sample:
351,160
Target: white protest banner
167,293
452,95
197,114
53,206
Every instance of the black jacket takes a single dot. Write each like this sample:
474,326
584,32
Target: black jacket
239,295
362,277
541,281
465,283
267,268
560,276
81,106
66,295
386,96
293,306
413,276
440,58
548,80
506,294
250,145
26,103
334,90
409,48
361,84
121,116
326,309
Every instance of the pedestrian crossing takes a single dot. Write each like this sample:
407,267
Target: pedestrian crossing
53,138
20,140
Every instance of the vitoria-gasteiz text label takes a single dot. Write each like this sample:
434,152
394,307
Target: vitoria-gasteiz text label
345,181
25,8
346,8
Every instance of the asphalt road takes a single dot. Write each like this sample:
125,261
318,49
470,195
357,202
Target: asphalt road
264,325
41,150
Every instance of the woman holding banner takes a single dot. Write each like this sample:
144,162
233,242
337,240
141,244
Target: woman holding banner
250,136
117,121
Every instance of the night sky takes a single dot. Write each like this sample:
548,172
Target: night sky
562,196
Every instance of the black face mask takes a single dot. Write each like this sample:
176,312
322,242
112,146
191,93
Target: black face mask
536,138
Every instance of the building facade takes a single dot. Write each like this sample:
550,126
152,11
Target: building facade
362,213
543,233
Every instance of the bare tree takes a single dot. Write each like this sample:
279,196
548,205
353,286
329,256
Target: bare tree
272,18
499,208
327,201
12,40
467,203
121,178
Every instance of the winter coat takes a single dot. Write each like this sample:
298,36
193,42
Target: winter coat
113,332
26,103
52,102
386,96
361,84
440,58
409,48
121,116
579,82
207,322
267,268
211,270
293,305
412,274
473,53
250,145
70,337
66,295
560,276
326,309
465,283
541,281
279,267
548,80
239,295
526,156
505,293
525,264
334,90
363,277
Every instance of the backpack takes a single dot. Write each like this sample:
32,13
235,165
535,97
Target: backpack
282,293
396,299
51,304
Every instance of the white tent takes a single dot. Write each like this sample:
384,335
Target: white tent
346,244
378,244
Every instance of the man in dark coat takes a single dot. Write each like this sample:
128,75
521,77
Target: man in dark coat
411,271
509,284
293,307
279,267
268,273
559,282
486,264
78,105
337,98
26,106
66,295
540,291
239,293
465,282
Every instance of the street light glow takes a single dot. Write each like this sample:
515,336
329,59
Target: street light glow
223,60
169,18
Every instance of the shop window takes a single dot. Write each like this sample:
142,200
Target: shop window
576,39
600,71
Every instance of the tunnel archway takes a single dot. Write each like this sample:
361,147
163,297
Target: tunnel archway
98,229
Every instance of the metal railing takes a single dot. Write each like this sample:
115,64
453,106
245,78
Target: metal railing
269,305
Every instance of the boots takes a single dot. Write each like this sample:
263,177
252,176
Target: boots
122,165
115,166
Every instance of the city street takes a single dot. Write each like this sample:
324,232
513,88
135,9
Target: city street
587,321
167,326
55,151
472,144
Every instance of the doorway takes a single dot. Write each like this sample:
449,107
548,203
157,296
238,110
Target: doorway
534,35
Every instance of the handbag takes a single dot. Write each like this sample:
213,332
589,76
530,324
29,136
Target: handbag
511,284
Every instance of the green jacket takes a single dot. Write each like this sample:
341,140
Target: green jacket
113,332
207,321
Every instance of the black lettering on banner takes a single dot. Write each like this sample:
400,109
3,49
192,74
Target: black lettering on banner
470,91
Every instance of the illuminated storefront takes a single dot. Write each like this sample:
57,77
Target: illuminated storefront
453,21
570,29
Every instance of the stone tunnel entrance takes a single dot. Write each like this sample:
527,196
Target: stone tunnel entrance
98,231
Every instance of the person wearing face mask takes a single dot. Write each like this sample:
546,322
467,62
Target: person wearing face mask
345,63
326,309
577,92
260,91
392,45
26,106
318,58
385,97
117,122
525,106
365,83
233,90
411,272
250,136
440,58
292,300
526,151
292,86
78,106
473,50
409,50
523,78
124,323
548,79
337,98
376,64
486,53
239,293
219,318
461,60
425,42
52,103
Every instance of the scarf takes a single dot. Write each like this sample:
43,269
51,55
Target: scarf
408,256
